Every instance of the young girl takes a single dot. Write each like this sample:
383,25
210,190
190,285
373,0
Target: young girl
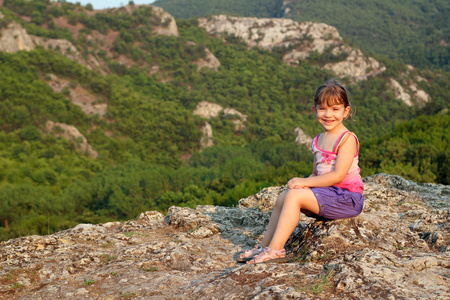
332,191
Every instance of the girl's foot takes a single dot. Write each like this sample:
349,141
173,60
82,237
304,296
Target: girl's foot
268,255
249,254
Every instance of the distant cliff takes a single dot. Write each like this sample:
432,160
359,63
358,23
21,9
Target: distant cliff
398,248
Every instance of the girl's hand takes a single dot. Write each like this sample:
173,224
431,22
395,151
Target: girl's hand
296,183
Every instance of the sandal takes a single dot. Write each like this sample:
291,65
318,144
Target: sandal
270,256
249,254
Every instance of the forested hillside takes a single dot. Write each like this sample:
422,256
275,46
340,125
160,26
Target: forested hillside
147,138
416,32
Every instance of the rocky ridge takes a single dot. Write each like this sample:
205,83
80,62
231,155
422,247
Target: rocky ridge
302,40
15,38
398,248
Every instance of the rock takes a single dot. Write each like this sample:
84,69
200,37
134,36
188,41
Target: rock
66,48
301,138
239,119
210,110
207,109
14,38
400,92
264,200
357,66
70,132
207,136
78,95
407,95
199,224
398,248
420,95
210,61
168,26
302,39
270,33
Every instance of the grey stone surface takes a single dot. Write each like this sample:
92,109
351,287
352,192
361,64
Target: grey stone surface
398,248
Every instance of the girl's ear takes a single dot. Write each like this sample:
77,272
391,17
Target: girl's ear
314,109
347,112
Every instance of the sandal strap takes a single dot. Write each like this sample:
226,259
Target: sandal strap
268,254
251,253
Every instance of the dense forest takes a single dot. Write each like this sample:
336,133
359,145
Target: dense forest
148,143
416,32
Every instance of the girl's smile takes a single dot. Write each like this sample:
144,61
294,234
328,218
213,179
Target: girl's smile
331,117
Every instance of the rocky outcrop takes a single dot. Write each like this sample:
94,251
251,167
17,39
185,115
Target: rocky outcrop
71,133
15,38
78,95
209,61
356,65
207,110
210,110
301,138
399,92
168,25
409,92
165,24
285,9
302,38
67,49
398,248
271,33
207,136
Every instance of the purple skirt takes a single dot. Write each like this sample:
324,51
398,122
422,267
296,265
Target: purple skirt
337,203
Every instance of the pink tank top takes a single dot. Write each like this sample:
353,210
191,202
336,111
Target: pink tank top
326,161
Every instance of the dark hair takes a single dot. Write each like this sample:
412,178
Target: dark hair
332,93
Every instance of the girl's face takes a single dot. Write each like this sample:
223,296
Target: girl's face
331,117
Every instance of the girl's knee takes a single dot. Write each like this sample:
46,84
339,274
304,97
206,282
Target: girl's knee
297,195
292,196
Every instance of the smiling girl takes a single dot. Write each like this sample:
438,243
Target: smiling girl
333,190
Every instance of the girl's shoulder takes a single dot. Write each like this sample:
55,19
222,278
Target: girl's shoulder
343,138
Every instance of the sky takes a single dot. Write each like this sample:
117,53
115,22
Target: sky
102,4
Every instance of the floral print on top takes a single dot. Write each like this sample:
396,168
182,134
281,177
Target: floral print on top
328,157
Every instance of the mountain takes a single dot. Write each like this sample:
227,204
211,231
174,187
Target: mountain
416,33
106,114
397,248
